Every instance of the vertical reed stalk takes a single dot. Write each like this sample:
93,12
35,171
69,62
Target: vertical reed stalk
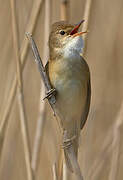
86,23
23,52
116,146
64,10
54,172
41,116
23,122
98,163
111,144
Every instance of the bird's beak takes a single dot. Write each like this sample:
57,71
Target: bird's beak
75,32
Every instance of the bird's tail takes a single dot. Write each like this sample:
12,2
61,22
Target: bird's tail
72,149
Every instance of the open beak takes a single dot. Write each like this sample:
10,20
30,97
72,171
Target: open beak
75,32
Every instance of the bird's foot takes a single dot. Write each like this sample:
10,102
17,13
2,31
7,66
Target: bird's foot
50,93
67,142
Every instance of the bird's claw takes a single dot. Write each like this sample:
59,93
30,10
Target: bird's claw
50,93
68,142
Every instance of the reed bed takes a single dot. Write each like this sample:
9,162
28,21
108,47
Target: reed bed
100,155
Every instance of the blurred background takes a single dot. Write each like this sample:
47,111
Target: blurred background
29,135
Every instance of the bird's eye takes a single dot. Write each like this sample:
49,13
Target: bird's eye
62,32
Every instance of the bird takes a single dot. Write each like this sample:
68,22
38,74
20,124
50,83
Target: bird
69,74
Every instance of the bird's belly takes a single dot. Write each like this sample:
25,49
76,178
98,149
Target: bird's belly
71,99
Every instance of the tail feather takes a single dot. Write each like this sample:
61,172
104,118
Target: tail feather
68,161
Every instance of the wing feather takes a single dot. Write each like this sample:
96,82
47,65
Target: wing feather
87,105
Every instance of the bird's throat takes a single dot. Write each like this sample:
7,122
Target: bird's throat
71,49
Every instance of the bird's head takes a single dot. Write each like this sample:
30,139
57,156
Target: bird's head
65,37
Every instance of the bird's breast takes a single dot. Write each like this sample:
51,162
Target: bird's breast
67,73
68,76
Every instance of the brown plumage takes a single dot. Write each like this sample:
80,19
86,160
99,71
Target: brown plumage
69,75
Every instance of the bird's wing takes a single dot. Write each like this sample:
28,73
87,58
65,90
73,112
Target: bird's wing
87,105
47,69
